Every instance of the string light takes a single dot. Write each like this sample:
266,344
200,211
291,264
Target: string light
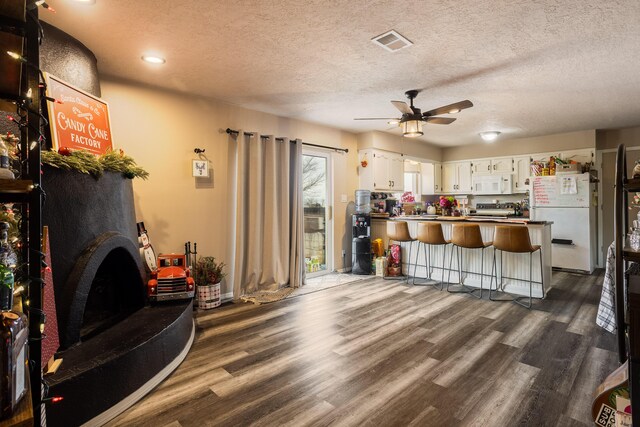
57,101
16,56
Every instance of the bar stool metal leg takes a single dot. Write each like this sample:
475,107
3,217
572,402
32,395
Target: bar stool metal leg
500,285
464,289
427,257
408,263
517,300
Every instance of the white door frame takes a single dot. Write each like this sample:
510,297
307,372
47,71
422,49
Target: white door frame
329,212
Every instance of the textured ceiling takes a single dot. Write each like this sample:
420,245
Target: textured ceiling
531,67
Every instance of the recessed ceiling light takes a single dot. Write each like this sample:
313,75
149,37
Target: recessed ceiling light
489,136
151,59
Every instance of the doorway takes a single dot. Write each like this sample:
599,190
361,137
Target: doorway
317,205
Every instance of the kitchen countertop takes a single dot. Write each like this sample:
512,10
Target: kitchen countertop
514,220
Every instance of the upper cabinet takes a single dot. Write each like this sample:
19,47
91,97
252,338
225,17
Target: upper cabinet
504,165
492,166
584,156
381,170
456,177
522,171
481,167
431,176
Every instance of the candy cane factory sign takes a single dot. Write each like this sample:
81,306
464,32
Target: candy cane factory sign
79,121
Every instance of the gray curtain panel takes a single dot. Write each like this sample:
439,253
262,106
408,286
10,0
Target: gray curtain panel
266,240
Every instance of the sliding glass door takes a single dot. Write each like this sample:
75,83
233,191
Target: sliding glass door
317,203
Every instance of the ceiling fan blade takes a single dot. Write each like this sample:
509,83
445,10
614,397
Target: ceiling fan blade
440,120
378,118
402,106
451,108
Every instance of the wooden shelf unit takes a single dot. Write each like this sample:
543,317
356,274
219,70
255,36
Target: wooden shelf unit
20,28
627,314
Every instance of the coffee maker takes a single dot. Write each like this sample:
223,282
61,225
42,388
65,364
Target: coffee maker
361,226
389,205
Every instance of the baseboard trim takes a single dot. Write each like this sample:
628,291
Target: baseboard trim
128,401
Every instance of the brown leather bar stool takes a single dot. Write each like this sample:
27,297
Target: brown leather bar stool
398,231
467,236
515,239
429,234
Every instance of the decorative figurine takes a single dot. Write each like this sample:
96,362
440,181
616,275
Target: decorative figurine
636,169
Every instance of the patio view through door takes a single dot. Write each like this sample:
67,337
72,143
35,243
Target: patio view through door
316,199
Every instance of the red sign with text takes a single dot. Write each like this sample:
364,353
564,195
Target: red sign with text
80,122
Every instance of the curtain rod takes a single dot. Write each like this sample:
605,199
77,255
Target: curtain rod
346,150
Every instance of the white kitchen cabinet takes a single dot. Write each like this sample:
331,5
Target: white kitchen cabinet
449,179
502,166
584,156
492,166
481,167
396,172
544,157
463,170
384,171
456,177
431,176
522,172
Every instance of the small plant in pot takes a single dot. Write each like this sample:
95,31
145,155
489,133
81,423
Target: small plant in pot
208,275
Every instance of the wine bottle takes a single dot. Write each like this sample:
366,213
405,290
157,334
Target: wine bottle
13,359
5,161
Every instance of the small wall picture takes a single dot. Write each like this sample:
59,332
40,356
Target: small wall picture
201,168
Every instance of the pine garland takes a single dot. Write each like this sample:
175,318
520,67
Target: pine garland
85,162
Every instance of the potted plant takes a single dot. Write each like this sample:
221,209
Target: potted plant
208,275
447,203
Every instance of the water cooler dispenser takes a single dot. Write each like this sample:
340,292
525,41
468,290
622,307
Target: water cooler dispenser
361,244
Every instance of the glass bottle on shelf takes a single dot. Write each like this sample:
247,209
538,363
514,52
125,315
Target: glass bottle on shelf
13,358
5,161
8,261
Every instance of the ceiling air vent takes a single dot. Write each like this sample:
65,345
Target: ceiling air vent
392,41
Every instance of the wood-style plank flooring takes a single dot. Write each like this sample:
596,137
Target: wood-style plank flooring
382,353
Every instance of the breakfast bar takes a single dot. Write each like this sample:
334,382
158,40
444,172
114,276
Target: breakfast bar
515,266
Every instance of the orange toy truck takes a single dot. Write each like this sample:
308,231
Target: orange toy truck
171,280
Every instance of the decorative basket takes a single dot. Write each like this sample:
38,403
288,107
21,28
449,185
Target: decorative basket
209,296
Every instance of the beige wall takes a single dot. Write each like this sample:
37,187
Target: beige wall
160,130
607,139
512,147
395,143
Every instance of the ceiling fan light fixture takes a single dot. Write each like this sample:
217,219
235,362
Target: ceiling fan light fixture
412,128
454,111
393,122
489,136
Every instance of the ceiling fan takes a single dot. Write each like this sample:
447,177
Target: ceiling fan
412,118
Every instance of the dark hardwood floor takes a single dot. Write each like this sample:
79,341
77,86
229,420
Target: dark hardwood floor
382,353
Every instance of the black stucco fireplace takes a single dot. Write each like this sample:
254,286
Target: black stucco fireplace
114,348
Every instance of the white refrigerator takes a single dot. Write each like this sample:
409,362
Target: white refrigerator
568,202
